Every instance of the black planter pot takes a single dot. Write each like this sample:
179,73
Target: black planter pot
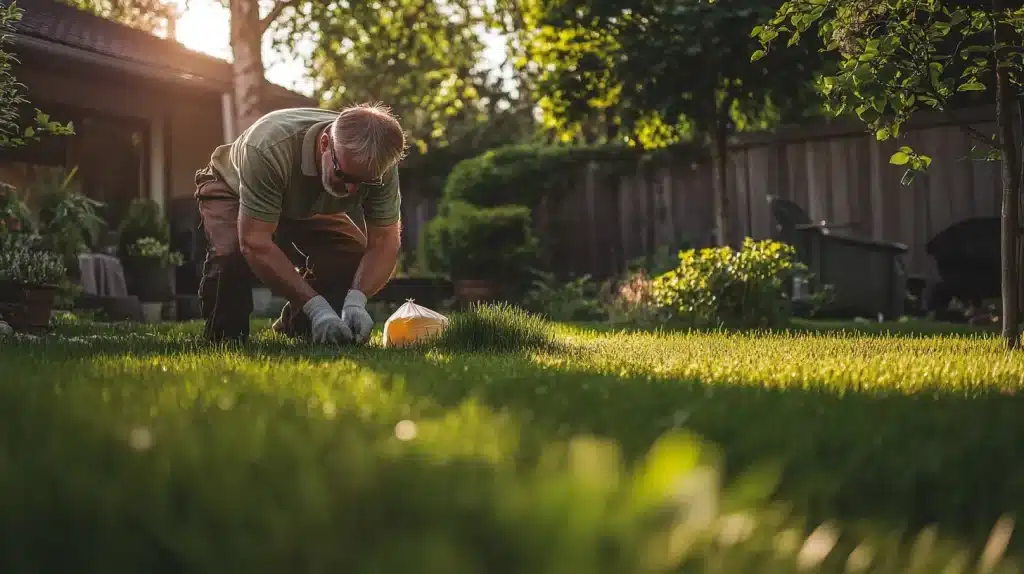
148,279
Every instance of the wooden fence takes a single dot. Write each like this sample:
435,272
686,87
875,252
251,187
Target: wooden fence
836,172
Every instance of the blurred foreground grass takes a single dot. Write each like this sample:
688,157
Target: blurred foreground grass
134,448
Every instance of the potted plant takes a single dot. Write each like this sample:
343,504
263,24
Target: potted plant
30,277
144,238
152,264
69,222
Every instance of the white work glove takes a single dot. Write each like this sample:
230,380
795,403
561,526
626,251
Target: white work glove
355,317
327,326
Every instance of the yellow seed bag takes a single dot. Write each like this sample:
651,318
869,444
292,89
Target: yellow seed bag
412,323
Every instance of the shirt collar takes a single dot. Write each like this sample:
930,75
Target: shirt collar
309,155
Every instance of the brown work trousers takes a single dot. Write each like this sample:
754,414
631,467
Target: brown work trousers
326,249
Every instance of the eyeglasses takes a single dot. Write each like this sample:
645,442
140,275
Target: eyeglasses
346,178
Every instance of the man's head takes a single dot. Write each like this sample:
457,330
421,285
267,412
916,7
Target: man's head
359,147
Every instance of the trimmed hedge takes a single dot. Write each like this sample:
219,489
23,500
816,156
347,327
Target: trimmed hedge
471,242
524,174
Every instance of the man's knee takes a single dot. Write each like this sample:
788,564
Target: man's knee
229,261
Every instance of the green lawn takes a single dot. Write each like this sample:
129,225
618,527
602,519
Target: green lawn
131,448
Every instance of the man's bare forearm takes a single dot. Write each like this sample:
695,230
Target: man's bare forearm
375,270
272,267
380,260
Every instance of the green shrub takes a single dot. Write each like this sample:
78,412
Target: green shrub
468,242
524,174
573,300
15,215
495,328
722,287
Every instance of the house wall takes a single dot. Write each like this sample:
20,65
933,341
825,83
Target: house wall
194,129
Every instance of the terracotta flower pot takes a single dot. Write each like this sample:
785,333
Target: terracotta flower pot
474,290
26,307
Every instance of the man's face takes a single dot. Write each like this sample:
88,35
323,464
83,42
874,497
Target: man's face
339,176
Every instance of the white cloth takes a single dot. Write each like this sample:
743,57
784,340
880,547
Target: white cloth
102,275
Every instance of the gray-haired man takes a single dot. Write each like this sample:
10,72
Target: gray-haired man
289,182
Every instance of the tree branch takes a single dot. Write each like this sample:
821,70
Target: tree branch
275,12
967,129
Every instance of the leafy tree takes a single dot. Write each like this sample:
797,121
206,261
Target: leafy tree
653,72
13,129
148,15
901,56
421,57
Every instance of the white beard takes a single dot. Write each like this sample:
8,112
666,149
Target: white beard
329,190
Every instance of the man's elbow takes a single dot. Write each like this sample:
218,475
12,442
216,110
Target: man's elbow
385,238
253,248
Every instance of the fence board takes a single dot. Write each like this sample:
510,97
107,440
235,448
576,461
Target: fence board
665,227
763,175
817,182
837,199
859,166
590,191
940,182
740,189
962,180
796,154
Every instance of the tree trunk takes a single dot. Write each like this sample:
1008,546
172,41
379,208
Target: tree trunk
720,165
1005,114
1020,199
247,67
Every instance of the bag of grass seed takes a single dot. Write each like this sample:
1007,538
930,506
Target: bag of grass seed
412,323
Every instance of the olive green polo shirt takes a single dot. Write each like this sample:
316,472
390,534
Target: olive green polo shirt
272,167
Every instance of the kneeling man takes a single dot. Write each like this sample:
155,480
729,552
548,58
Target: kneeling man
290,182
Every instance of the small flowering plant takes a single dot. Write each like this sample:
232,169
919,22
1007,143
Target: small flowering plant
152,248
23,262
631,300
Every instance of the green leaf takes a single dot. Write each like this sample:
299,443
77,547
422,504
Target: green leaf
882,134
972,87
757,55
899,158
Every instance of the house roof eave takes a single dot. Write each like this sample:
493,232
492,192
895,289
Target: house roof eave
57,49
275,92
